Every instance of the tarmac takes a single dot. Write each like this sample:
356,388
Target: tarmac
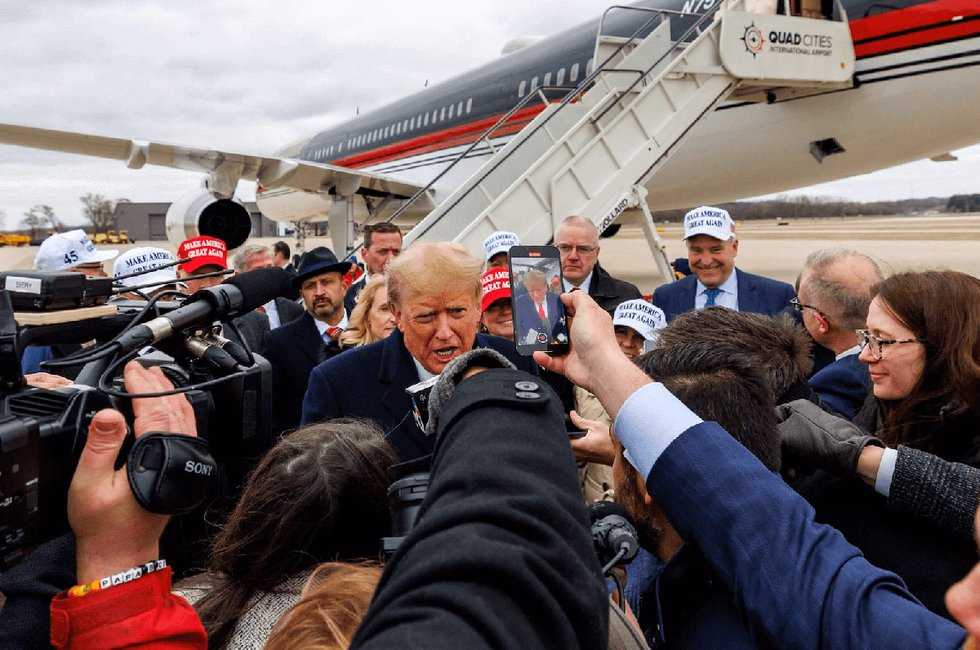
775,250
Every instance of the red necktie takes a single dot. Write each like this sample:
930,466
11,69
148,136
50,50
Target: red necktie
541,310
333,332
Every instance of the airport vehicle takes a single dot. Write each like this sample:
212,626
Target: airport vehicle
915,81
10,239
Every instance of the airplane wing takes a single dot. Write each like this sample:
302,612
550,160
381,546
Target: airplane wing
225,168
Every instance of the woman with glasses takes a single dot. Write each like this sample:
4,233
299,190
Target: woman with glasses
922,347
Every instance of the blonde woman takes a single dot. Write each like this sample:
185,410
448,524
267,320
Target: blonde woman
371,319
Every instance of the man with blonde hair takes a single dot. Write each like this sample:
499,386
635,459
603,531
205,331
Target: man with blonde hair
434,290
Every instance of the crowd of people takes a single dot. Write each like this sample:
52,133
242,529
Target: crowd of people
801,464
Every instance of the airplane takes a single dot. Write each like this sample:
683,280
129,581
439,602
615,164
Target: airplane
916,83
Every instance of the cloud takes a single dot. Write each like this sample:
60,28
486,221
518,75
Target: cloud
247,77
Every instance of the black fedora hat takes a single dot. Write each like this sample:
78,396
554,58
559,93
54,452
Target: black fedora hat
318,261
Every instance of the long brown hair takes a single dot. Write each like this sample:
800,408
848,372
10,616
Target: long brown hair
320,494
941,308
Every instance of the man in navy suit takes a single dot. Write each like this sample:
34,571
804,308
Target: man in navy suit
711,249
382,243
538,312
295,348
796,583
434,290
834,294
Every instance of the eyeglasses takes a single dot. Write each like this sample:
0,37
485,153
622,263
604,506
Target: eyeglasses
875,343
799,306
566,249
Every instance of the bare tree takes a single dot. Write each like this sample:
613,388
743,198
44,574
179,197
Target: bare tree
50,218
98,210
33,219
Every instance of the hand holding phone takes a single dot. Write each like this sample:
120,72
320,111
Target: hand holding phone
539,315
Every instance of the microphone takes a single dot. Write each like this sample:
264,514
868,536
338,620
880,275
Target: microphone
613,535
209,351
235,296
236,351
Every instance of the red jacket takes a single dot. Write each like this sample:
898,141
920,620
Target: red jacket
142,613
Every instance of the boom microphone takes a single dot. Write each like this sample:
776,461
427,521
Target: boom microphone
613,535
235,296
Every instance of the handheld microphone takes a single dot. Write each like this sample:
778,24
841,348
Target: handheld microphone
235,296
613,535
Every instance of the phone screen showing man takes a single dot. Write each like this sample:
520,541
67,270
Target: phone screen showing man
539,316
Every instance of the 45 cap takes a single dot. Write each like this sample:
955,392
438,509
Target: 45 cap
66,250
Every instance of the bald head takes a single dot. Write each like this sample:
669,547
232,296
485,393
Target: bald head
837,284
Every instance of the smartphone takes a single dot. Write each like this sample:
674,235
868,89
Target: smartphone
535,287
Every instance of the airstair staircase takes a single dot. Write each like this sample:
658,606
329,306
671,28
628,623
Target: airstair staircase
592,153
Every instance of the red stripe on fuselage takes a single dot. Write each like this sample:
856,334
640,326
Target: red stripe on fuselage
462,134
915,26
884,33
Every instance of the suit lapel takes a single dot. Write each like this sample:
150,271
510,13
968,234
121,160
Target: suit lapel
397,372
748,293
310,341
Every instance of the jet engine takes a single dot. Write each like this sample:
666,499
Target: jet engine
202,212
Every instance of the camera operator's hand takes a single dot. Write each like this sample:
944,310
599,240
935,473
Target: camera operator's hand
46,380
594,360
596,446
113,533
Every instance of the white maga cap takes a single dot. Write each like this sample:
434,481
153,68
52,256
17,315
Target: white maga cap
500,242
140,260
66,250
713,222
640,315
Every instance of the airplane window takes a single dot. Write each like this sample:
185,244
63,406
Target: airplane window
442,114
386,131
534,83
547,79
426,118
398,128
560,78
521,88
451,107
573,73
411,124
589,67
404,126
459,108
469,105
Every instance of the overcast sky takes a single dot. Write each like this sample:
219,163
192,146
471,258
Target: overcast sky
251,77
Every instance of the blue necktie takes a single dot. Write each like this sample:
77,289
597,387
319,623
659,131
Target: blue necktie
712,294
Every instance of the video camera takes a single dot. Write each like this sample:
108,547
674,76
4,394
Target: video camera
42,431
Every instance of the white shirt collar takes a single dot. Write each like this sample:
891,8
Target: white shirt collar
586,283
728,286
848,352
322,327
423,373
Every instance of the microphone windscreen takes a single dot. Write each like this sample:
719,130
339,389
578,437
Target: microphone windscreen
601,509
260,286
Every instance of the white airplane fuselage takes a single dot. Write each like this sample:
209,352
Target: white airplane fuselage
917,83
